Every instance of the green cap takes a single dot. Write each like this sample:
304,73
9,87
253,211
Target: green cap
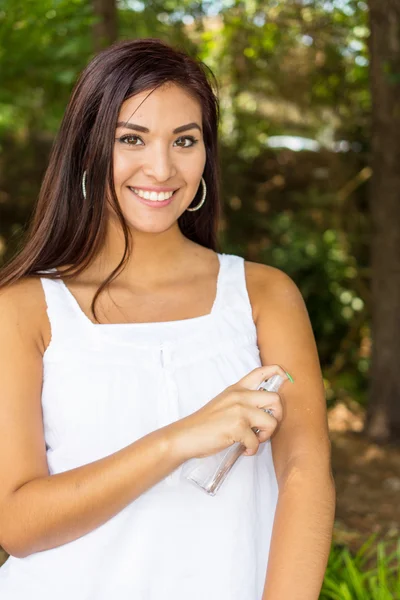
289,377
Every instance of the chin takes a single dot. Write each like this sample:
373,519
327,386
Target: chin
155,227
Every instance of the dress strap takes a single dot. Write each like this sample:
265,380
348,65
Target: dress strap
232,291
62,317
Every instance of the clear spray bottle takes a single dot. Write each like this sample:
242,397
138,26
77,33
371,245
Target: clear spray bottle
210,472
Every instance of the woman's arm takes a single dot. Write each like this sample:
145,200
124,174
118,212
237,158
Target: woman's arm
302,533
39,511
303,523
56,509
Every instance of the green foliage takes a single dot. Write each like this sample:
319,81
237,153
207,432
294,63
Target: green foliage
281,209
284,68
49,42
351,577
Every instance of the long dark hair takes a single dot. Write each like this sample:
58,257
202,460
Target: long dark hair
66,228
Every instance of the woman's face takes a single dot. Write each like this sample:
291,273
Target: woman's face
158,159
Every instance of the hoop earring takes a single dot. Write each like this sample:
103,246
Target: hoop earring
84,184
203,198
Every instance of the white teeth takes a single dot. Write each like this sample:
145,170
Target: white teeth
153,195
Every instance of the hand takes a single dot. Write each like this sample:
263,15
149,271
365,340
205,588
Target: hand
230,417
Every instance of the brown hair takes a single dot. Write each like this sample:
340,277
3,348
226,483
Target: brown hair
66,228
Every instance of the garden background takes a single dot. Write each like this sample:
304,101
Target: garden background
310,151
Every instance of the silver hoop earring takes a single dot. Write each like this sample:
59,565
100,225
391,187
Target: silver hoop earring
203,198
84,184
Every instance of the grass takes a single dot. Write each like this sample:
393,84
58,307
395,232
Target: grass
373,573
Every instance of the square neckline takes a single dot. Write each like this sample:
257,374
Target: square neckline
148,324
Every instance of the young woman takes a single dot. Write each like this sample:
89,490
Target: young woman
129,345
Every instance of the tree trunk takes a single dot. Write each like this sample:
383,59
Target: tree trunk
383,415
105,30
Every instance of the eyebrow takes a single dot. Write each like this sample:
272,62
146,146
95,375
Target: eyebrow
145,130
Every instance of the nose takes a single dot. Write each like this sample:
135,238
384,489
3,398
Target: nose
160,165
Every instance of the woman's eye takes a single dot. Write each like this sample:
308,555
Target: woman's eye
127,139
190,138
130,140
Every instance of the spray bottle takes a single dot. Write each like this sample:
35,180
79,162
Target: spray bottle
210,472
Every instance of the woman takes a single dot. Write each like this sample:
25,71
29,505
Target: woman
129,346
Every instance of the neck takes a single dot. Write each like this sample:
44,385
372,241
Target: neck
154,256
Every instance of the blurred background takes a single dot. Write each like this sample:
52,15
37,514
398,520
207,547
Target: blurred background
310,151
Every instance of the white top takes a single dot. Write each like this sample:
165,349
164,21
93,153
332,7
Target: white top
104,387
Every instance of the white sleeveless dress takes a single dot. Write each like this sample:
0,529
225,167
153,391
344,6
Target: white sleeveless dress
104,387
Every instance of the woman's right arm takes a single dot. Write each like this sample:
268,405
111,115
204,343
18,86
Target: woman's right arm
39,511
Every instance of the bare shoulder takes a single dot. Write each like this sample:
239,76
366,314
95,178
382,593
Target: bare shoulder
23,311
260,275
269,286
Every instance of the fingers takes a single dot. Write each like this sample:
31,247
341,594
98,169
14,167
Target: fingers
263,426
251,442
262,400
253,379
263,436
273,403
260,420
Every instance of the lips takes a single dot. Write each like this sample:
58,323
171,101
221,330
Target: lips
153,203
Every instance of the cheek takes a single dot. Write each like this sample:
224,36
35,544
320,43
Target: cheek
122,167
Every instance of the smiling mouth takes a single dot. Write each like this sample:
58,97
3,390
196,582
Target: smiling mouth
149,199
153,203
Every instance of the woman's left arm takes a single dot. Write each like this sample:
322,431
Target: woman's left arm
302,531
